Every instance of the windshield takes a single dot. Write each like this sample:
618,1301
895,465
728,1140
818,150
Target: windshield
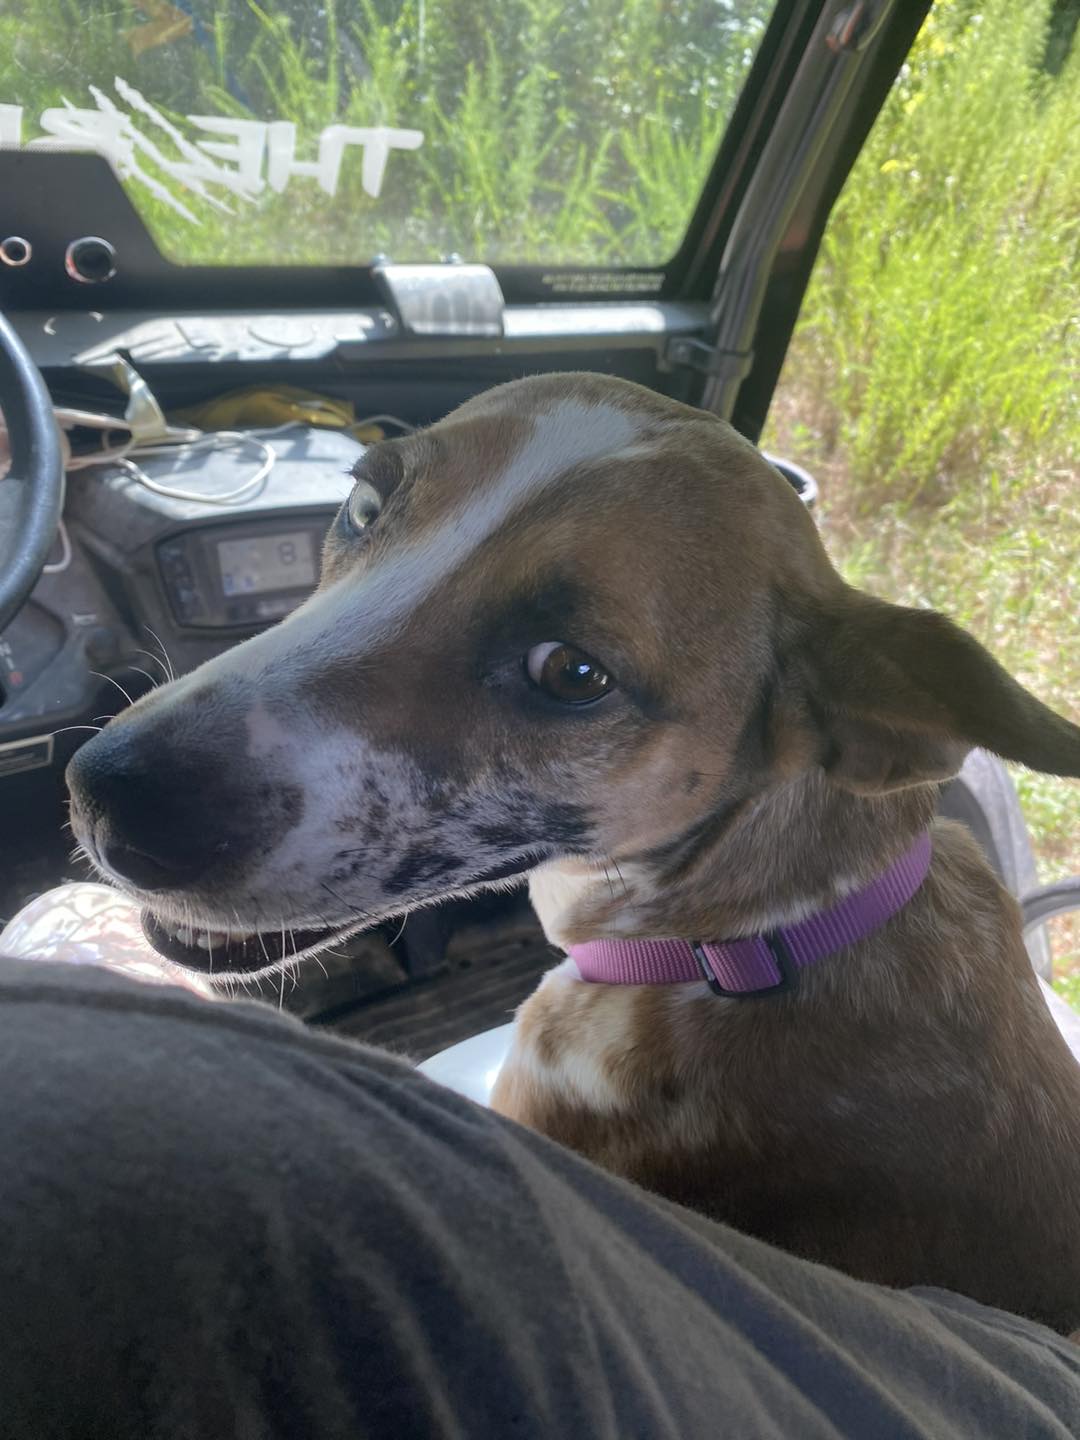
331,131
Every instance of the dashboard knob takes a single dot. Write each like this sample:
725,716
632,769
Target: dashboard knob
15,251
90,260
102,645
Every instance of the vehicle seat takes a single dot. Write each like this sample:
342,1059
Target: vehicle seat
983,797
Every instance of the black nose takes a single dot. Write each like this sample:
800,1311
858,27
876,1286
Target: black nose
148,872
137,812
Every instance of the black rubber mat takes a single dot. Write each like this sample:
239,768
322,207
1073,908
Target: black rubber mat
486,979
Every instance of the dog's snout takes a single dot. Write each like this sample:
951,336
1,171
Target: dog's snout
133,810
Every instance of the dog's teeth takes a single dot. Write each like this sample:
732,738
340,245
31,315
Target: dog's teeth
208,939
211,940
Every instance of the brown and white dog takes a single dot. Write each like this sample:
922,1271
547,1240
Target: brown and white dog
580,630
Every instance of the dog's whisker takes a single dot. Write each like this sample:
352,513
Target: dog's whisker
154,683
316,955
110,681
293,964
401,929
157,661
284,966
157,641
622,880
334,895
65,729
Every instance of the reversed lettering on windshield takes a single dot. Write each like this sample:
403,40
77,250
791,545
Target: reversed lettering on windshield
233,157
570,139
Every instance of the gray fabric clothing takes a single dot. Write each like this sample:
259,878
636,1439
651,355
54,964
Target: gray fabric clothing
220,1224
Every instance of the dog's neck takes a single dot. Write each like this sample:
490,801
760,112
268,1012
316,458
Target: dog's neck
794,849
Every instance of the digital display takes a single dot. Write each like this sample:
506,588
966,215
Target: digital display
267,562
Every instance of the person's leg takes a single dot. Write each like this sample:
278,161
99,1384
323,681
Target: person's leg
217,1224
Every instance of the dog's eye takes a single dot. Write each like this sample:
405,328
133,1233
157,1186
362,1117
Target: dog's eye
566,674
363,507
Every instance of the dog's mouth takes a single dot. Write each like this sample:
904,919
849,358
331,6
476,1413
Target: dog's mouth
213,951
236,952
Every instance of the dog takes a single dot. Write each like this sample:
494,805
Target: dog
580,631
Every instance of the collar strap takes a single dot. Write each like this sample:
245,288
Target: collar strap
760,964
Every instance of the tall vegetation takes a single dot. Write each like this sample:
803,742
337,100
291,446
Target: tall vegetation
934,380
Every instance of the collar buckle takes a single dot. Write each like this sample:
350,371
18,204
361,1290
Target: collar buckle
782,958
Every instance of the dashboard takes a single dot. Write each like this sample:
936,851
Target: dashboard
152,563
226,575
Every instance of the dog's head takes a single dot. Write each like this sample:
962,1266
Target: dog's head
572,619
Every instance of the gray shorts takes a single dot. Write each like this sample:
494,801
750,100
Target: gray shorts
219,1224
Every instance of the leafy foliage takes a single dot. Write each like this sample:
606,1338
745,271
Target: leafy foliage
933,379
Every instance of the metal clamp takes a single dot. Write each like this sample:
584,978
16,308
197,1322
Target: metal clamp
707,359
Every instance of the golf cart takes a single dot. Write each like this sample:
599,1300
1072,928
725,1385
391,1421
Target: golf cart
208,414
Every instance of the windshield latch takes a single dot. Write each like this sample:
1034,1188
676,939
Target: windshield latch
443,301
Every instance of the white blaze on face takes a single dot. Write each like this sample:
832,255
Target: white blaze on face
266,733
570,435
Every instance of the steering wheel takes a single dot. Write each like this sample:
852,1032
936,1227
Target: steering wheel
32,492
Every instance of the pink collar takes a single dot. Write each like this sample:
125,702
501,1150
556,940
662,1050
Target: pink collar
761,964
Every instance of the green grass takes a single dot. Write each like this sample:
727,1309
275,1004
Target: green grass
932,382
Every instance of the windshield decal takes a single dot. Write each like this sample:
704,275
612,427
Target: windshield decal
238,156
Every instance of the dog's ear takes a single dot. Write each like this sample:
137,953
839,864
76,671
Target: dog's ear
897,697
